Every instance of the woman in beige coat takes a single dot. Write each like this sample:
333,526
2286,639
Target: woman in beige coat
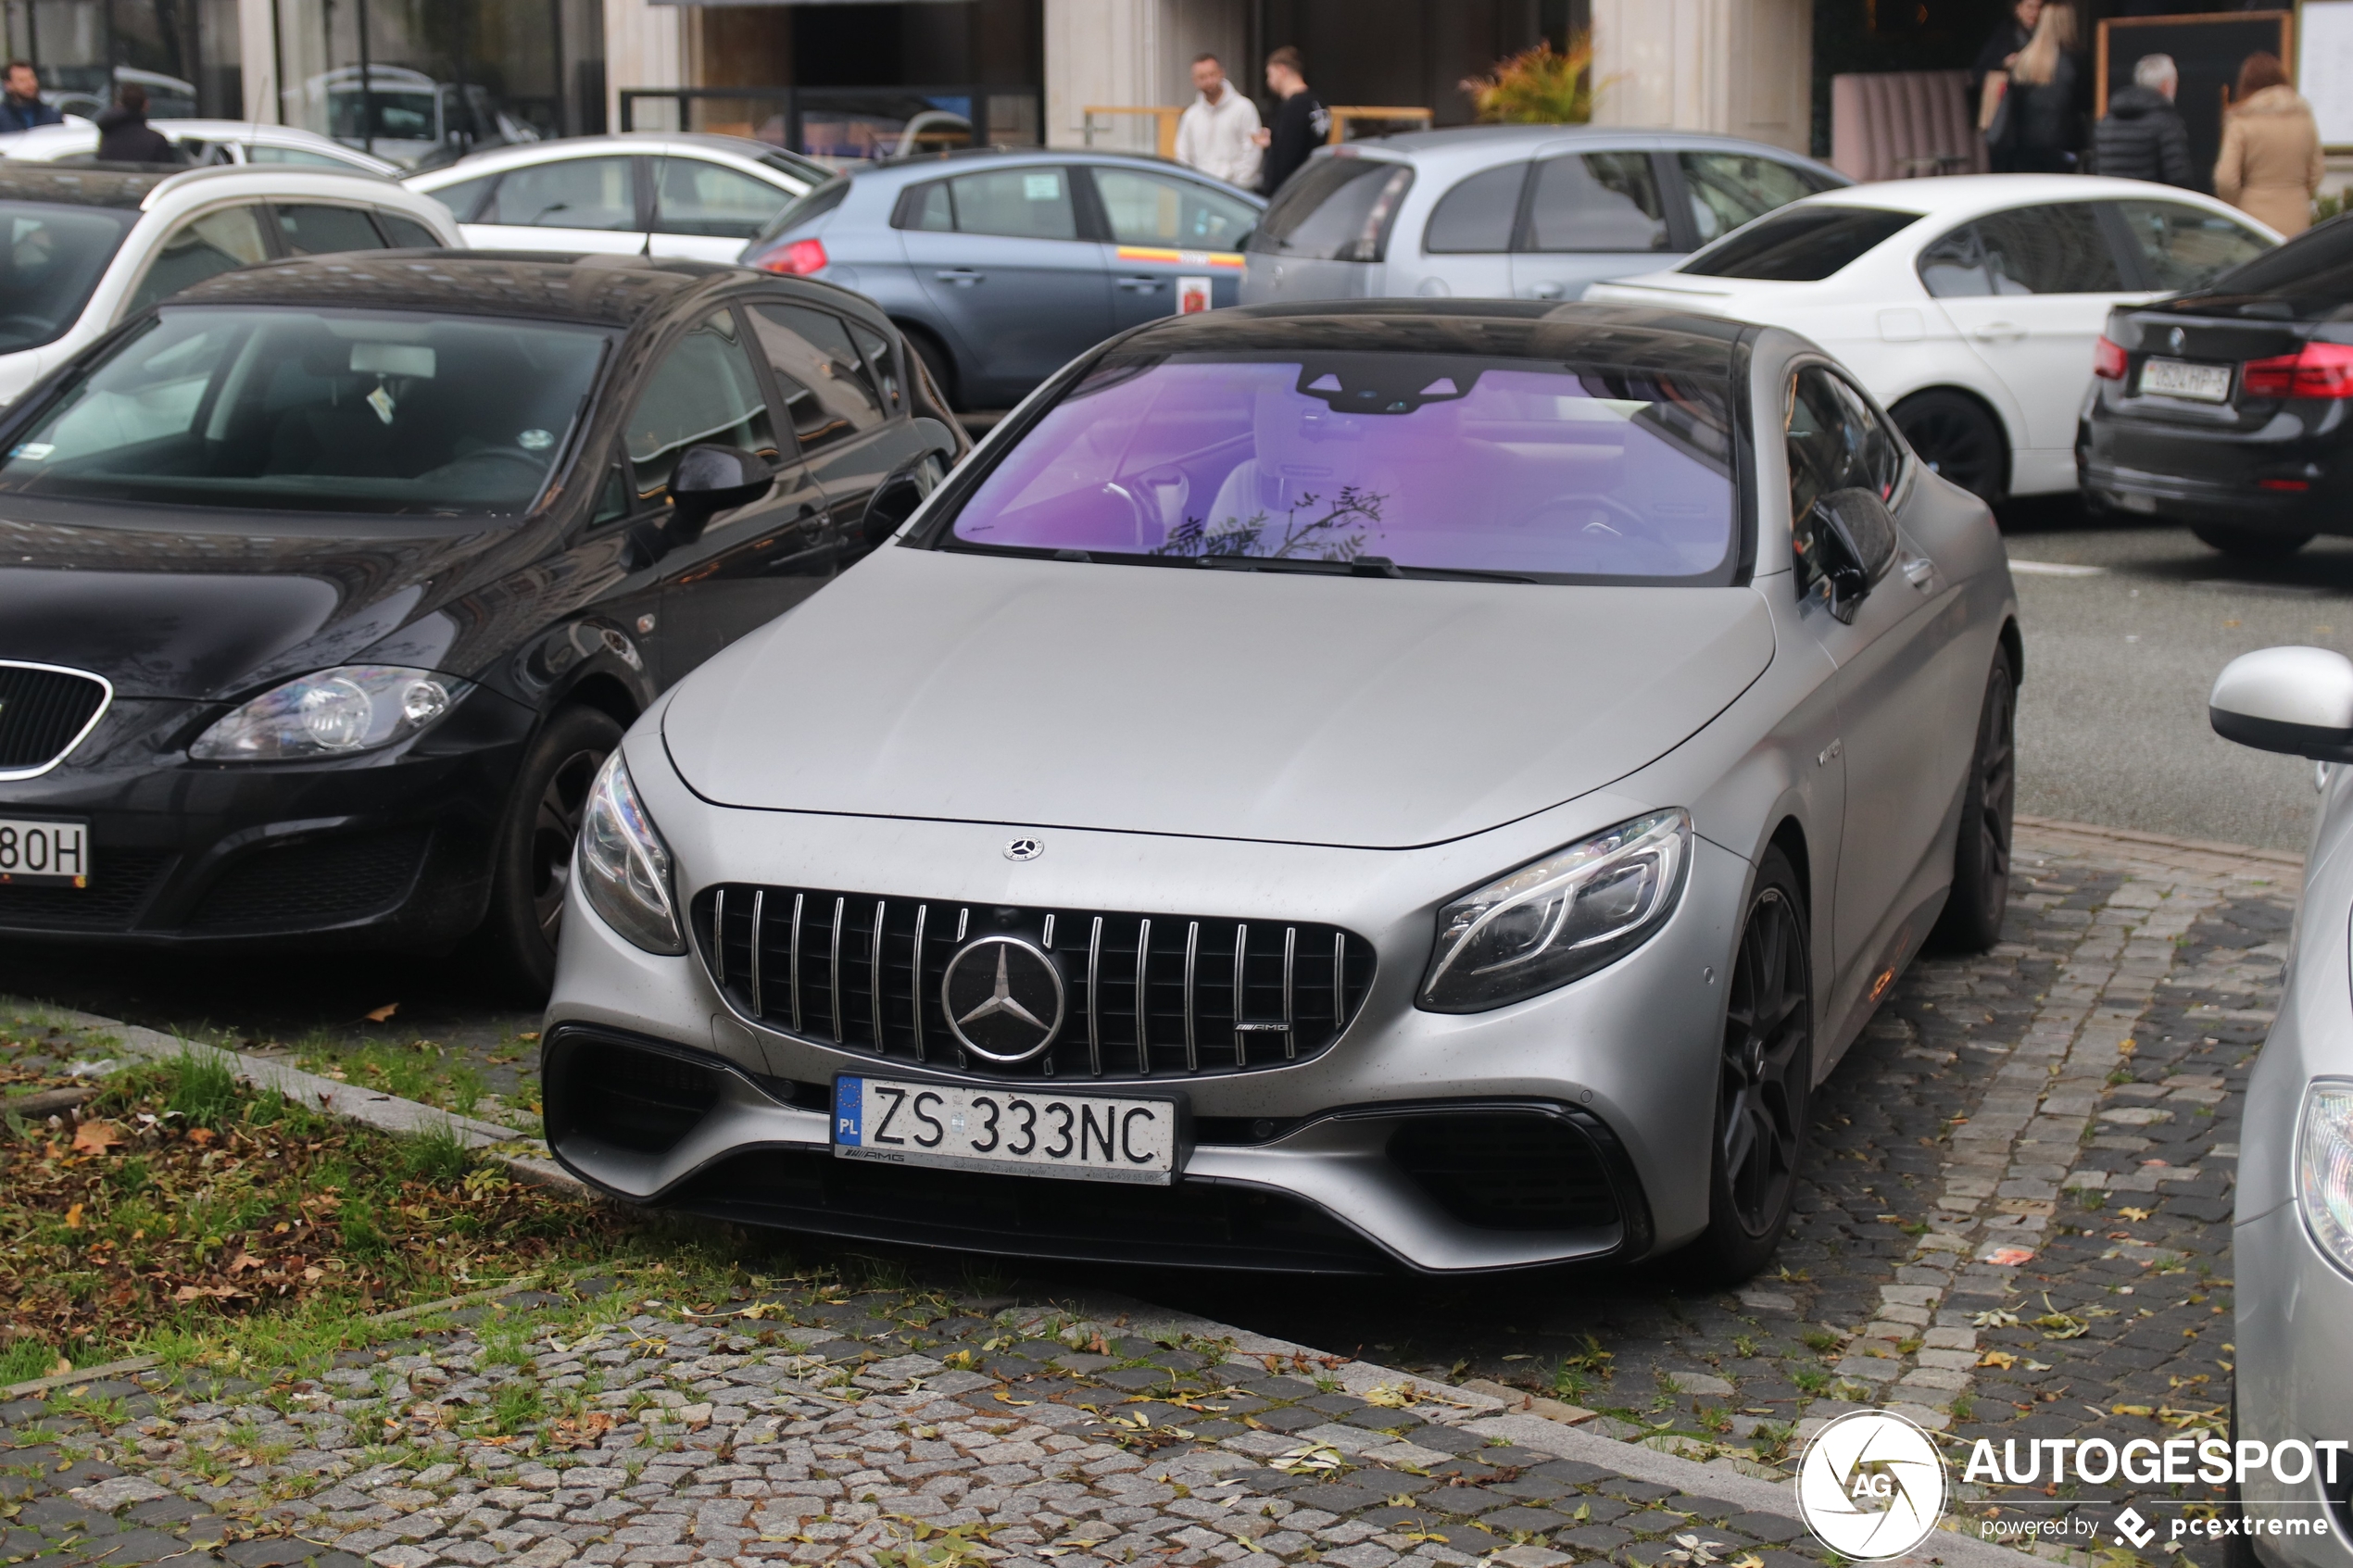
2271,162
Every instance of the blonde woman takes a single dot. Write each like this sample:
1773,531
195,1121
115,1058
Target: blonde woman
2043,88
2271,162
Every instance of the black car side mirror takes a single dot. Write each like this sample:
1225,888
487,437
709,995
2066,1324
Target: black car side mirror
708,480
1855,534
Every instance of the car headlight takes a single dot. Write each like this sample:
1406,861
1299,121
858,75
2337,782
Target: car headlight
1560,918
2325,1167
332,713
625,866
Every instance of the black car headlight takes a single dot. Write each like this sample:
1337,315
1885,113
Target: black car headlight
2325,1167
625,866
1560,918
332,713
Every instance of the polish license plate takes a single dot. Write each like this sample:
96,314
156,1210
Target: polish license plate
1025,1131
43,854
2179,378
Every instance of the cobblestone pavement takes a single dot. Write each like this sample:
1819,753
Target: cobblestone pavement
2015,1224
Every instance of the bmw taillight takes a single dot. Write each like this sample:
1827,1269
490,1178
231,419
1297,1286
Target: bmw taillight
2109,360
802,259
2319,370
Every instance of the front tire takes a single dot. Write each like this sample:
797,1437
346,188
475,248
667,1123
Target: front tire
1763,1082
1973,919
1955,437
2249,543
533,869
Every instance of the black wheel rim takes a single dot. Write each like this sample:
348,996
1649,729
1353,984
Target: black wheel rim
1956,444
553,830
1767,1028
1997,785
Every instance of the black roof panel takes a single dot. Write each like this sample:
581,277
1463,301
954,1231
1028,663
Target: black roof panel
1631,335
606,290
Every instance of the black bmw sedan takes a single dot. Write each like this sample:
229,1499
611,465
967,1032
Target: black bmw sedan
326,588
2230,407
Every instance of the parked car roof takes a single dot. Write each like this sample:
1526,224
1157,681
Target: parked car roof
1474,142
490,159
78,138
1639,337
76,187
1962,195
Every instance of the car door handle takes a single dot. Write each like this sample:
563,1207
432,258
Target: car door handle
1920,573
1999,332
1544,291
1141,286
960,277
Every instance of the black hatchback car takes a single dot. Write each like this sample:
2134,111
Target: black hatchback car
2230,407
326,588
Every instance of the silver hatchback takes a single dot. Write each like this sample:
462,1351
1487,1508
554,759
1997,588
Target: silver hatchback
1511,211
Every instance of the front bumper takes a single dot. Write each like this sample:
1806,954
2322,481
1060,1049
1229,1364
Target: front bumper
1295,1166
2294,1380
389,847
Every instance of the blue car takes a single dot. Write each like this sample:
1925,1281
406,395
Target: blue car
1001,268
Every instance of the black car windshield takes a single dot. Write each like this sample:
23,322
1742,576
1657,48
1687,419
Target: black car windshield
1388,462
51,258
1800,244
314,411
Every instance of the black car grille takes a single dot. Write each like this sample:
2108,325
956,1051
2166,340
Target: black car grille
121,882
805,961
1507,1172
42,712
320,882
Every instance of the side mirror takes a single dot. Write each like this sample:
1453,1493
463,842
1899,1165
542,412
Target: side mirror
2295,700
1860,534
708,480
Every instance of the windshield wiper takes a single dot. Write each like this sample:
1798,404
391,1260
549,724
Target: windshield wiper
1362,566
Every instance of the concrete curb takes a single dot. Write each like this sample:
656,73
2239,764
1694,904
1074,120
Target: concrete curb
387,1113
2159,841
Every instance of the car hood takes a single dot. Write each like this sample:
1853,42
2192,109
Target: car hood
1342,710
206,612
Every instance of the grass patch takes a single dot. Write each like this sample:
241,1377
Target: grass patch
427,1073
179,1202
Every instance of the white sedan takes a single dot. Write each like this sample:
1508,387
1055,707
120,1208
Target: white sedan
87,248
655,193
203,143
1968,305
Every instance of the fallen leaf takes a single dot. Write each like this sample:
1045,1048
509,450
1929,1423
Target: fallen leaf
531,1036
384,1013
2010,1257
73,1218
2134,1213
2131,1409
314,1272
201,1135
63,1369
2002,1358
245,1260
96,1138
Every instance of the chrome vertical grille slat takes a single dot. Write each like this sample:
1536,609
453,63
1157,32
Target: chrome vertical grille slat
1095,997
874,971
758,933
915,970
871,980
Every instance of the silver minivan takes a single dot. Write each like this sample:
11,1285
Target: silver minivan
1511,211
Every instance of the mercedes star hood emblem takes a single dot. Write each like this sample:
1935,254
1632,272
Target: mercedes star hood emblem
1004,997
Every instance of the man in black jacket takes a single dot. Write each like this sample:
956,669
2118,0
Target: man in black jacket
2143,137
124,135
21,106
1299,125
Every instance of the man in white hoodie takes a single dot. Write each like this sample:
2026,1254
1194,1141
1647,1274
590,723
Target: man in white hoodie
1218,132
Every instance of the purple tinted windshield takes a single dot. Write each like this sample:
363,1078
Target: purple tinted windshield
1495,465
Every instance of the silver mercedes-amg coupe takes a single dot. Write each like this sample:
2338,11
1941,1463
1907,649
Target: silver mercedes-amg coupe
1333,787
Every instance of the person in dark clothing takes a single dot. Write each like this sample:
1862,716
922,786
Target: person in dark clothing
124,135
2143,137
1299,125
2002,47
2044,90
21,106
